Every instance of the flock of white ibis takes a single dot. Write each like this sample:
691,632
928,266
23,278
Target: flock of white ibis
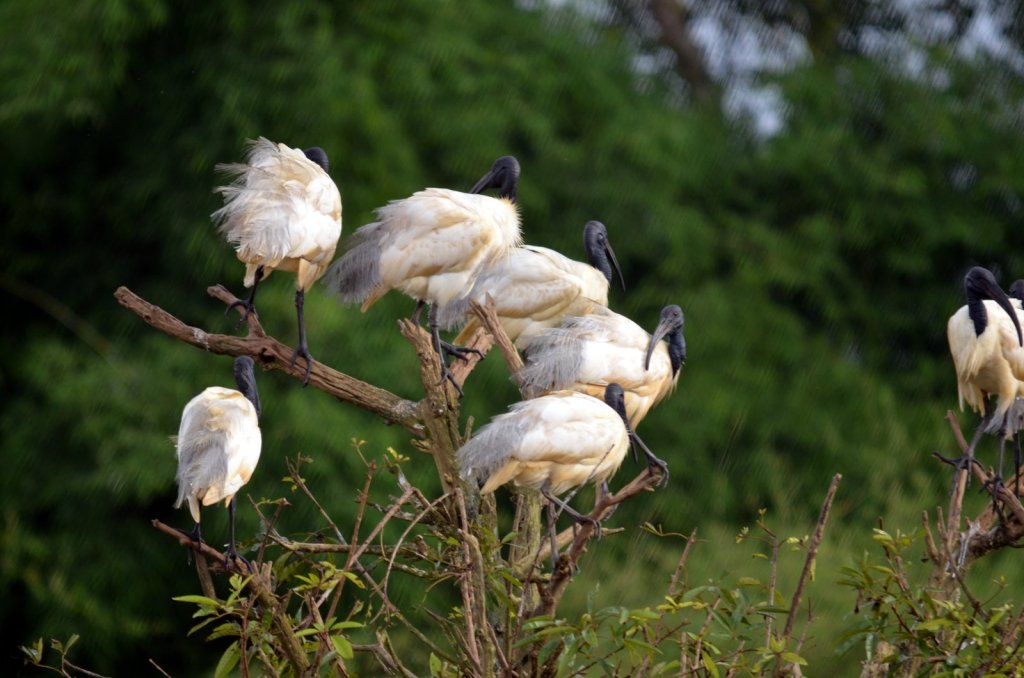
591,374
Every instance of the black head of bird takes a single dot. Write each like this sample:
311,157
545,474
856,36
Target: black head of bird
1017,290
979,285
670,328
599,250
245,377
503,176
317,155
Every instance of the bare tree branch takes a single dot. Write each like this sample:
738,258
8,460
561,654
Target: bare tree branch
273,355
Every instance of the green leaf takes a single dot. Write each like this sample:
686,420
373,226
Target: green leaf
198,600
934,624
344,625
709,664
228,629
793,658
343,647
435,664
228,660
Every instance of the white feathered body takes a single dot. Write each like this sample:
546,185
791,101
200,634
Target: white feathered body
558,441
218,447
282,212
990,364
586,353
533,289
431,246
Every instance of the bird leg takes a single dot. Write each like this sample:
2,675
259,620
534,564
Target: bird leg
652,461
604,492
415,317
967,458
552,520
1016,465
231,554
249,304
572,513
443,348
302,349
996,481
195,535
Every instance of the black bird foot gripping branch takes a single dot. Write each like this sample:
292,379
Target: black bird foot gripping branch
1000,525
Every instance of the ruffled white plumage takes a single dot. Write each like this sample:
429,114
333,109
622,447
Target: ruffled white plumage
282,212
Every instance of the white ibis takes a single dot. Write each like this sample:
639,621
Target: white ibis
586,353
432,246
282,212
986,345
218,446
535,287
552,444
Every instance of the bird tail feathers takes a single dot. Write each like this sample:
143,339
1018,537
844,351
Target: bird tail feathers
356,273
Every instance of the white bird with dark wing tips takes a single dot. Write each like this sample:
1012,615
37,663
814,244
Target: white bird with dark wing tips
986,344
218,446
553,444
432,245
587,353
282,212
535,287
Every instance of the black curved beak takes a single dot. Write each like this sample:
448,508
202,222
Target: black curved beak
245,377
503,175
486,181
996,294
615,263
664,327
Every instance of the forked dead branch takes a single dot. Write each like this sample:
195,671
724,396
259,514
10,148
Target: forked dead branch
440,542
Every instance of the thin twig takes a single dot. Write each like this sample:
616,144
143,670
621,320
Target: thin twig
690,541
159,668
812,552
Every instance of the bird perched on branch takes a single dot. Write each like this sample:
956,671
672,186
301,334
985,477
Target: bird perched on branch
552,444
218,446
986,344
432,246
282,212
535,287
586,353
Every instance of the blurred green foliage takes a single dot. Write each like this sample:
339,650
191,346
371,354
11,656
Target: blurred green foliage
816,270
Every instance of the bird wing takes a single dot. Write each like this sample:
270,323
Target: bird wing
564,434
1008,341
597,349
967,361
215,444
534,288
